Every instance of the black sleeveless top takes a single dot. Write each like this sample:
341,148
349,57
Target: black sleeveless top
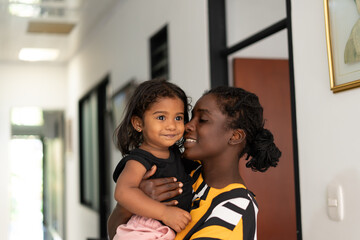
171,167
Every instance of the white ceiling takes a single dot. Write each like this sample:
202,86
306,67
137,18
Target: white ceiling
14,35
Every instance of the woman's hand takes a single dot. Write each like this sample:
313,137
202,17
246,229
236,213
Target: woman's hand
161,189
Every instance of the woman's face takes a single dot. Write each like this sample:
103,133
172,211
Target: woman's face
207,134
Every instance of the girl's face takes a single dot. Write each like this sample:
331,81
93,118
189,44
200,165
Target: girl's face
207,134
162,124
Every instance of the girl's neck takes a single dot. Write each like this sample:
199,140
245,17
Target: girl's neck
159,153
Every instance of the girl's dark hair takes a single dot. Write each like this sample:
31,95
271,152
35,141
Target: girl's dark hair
147,93
246,113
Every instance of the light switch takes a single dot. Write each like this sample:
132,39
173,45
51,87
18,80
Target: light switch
335,202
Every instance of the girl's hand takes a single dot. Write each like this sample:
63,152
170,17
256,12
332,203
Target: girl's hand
176,218
161,189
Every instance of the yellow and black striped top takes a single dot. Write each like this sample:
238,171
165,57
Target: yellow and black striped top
229,213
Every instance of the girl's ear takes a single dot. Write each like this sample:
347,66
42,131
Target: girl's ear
136,123
238,137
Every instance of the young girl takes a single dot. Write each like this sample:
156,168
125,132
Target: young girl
151,134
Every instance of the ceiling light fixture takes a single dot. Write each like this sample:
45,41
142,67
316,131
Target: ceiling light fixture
24,10
38,54
26,1
27,116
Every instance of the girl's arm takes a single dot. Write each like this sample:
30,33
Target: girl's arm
159,189
128,195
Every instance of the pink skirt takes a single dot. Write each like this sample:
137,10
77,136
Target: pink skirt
143,228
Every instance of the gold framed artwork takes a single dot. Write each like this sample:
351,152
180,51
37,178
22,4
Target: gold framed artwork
342,23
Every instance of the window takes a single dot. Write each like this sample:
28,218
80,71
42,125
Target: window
159,50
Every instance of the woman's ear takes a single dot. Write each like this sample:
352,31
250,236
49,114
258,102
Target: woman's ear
136,123
238,137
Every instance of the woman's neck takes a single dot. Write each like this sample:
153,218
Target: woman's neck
221,175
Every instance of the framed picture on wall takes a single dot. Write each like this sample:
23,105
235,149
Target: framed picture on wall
119,101
342,22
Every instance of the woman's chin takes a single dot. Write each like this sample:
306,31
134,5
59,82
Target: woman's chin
189,155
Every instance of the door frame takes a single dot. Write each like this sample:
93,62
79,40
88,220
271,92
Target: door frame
219,52
103,158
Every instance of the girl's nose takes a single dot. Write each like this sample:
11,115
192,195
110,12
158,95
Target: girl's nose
171,125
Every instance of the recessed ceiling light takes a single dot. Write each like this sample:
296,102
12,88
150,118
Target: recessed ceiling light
24,10
27,116
25,1
38,54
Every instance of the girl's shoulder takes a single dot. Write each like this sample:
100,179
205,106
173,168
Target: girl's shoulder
137,154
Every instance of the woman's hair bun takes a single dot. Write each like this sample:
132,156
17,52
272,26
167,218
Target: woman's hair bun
263,151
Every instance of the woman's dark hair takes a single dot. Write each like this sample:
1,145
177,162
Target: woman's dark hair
246,113
147,93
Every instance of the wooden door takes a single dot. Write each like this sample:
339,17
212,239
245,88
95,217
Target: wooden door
274,189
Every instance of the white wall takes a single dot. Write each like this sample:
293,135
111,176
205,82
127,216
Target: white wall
23,85
328,130
328,124
119,45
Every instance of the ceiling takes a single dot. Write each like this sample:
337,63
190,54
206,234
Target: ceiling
59,24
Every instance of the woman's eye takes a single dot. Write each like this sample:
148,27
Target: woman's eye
161,117
202,120
179,118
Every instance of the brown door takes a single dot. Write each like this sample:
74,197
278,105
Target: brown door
274,189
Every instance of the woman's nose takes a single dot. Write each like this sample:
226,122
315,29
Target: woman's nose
189,126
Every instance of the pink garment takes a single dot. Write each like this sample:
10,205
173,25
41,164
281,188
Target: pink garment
142,228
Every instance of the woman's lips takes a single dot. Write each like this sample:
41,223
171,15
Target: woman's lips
190,140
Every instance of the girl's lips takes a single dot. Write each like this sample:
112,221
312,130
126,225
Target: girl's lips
172,135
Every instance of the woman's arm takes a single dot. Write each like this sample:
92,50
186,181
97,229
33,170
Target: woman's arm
118,216
161,189
129,195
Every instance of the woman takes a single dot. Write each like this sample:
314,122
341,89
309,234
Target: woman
227,123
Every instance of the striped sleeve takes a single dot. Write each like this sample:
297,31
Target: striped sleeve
232,215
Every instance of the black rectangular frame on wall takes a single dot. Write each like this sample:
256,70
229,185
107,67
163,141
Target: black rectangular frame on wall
219,52
159,54
94,170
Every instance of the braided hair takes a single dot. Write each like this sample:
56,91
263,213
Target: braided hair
245,112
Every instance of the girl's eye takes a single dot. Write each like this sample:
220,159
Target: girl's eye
179,118
161,117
